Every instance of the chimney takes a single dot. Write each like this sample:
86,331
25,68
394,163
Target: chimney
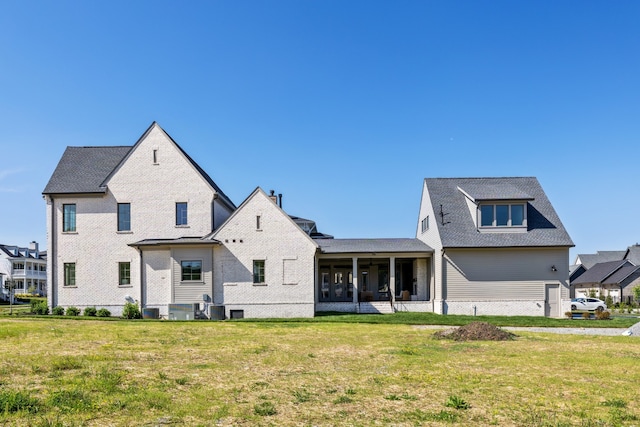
33,247
280,200
273,197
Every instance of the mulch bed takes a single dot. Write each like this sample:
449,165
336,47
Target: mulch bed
475,331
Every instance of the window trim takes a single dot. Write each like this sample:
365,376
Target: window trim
120,275
69,223
69,280
260,264
186,214
120,222
494,219
191,280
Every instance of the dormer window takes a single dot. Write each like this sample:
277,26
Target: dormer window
502,215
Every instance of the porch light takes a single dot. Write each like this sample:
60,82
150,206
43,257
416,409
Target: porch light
553,268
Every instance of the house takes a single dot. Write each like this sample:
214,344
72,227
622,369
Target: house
607,273
499,247
102,199
146,224
26,267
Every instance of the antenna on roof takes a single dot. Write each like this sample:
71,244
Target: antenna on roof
442,215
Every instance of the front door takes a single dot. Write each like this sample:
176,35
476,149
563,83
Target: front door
551,300
342,285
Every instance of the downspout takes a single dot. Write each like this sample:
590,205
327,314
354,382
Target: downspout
143,302
213,212
54,263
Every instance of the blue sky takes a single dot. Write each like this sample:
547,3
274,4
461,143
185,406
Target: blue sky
342,106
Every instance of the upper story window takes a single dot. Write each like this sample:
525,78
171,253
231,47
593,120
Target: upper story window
155,156
124,217
503,215
258,225
258,271
181,213
191,271
68,217
425,223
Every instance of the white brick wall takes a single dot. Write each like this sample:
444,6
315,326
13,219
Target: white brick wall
288,253
97,247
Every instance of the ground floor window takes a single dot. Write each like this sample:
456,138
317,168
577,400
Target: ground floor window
124,273
191,271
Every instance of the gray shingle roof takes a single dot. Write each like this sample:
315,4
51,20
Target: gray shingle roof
619,276
589,260
177,241
340,246
459,230
633,254
83,169
599,272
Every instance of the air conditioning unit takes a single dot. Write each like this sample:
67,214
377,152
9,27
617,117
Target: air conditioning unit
216,312
183,311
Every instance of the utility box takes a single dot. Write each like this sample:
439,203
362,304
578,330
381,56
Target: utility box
183,311
216,312
150,313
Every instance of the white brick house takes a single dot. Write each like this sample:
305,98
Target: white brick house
145,223
101,199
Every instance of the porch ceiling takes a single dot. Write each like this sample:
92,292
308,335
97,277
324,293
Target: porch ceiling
369,246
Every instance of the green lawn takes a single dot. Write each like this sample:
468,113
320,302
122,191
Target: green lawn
56,371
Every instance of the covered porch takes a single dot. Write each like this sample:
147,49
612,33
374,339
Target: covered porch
373,275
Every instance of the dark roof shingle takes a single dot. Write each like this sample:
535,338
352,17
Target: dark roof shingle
338,246
458,229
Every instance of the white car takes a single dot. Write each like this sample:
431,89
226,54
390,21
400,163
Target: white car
587,304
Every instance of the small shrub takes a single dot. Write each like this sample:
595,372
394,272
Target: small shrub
58,311
586,315
265,409
73,311
90,311
608,300
103,312
615,403
131,311
603,315
16,401
39,307
456,402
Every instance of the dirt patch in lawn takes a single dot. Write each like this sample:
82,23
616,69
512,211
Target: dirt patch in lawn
475,331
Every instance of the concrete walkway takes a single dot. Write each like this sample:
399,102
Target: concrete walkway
633,331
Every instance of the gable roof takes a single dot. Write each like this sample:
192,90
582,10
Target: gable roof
339,246
633,254
87,169
255,192
599,272
589,260
544,228
83,169
196,166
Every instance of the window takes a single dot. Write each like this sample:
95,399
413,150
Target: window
258,271
181,213
124,217
69,273
503,215
425,224
69,218
191,270
258,222
155,156
124,273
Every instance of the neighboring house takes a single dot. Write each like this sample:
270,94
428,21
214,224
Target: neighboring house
26,267
607,273
614,278
499,245
145,223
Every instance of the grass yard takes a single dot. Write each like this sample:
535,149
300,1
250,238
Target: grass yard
64,372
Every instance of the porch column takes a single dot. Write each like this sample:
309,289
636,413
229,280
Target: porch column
355,279
392,277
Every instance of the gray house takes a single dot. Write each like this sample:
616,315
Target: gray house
500,247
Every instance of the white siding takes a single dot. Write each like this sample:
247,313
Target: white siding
190,292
